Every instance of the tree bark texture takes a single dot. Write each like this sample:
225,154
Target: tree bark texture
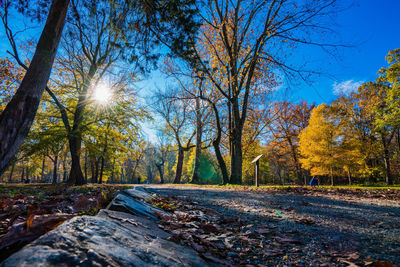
179,166
17,118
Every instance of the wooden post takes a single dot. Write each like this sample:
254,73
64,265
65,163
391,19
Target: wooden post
256,162
257,172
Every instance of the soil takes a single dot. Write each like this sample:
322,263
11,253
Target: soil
289,228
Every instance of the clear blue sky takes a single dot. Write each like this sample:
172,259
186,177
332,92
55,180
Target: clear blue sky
373,27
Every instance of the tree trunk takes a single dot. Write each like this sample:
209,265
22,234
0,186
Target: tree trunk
96,172
331,176
296,162
43,166
101,170
236,157
112,171
216,142
179,166
160,171
55,169
75,175
23,175
349,176
17,117
85,167
221,162
388,173
65,176
12,171
149,175
195,176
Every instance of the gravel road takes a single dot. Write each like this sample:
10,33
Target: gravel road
349,228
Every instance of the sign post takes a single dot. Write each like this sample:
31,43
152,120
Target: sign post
256,162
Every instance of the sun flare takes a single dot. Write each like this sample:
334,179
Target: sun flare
102,94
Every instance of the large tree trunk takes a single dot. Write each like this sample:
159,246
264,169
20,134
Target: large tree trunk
17,117
75,139
55,169
236,157
179,166
236,150
75,175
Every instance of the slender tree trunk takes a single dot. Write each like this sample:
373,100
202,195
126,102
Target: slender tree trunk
27,175
86,167
221,162
179,166
216,142
349,176
96,172
92,170
195,176
112,172
43,166
160,170
101,170
296,162
23,175
65,174
12,171
331,176
388,173
149,174
55,169
17,117
122,175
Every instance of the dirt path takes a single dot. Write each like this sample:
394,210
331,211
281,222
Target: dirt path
316,229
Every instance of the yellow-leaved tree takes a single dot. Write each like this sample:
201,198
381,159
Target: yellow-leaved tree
318,146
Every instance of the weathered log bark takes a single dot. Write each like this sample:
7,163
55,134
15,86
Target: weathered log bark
17,118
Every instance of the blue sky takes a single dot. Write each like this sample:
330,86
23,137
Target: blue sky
373,27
